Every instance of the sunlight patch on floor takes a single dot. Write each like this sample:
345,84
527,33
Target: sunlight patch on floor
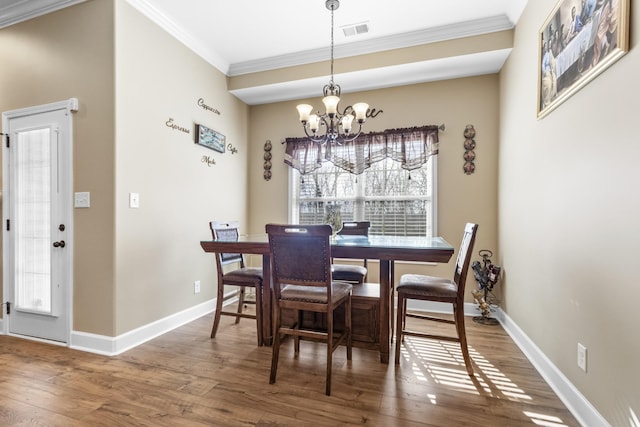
441,362
633,419
544,420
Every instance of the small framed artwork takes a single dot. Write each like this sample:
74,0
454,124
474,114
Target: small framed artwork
210,138
578,41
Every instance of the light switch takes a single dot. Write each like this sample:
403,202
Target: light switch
134,200
82,199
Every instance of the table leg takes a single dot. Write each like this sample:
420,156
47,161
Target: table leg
266,300
385,284
392,298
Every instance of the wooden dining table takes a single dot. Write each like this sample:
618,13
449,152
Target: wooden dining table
386,249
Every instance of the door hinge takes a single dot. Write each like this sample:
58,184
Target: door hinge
7,135
8,225
8,304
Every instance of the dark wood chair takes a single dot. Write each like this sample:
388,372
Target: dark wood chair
430,288
242,278
301,266
348,272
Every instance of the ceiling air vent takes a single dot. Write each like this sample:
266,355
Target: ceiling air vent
355,29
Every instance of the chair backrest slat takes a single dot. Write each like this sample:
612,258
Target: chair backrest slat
464,256
300,254
226,232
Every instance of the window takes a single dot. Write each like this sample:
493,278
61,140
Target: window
395,201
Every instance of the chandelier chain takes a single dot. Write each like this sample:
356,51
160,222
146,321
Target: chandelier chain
332,46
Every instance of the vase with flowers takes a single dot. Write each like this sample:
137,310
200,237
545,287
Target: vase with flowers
333,217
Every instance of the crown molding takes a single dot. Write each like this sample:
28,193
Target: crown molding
166,23
379,78
396,41
413,38
26,10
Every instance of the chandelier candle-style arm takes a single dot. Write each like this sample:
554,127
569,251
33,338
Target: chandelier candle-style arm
337,127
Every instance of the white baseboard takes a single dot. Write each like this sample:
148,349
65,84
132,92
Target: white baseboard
577,404
111,346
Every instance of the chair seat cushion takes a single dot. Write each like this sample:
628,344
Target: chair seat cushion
350,273
247,275
317,294
428,286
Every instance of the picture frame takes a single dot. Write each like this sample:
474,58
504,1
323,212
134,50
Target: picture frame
209,138
578,41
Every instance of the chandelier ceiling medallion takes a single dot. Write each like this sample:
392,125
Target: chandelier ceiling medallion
337,126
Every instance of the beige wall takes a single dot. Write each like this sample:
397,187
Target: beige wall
133,266
568,219
158,255
58,56
461,197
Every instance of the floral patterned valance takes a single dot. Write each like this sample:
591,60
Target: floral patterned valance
410,146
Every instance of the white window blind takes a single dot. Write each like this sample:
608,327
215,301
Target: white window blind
395,201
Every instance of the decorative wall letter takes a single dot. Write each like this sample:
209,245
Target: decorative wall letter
169,123
206,107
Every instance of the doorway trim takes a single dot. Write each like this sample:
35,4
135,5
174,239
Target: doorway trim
69,106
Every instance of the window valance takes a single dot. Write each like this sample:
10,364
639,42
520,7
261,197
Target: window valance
410,146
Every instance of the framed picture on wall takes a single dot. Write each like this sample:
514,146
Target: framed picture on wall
210,138
578,41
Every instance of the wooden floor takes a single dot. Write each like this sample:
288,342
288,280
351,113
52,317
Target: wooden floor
183,378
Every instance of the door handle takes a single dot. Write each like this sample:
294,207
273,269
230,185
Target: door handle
59,244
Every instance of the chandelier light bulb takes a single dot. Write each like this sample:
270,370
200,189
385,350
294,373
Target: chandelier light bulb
331,104
304,110
314,122
346,123
361,111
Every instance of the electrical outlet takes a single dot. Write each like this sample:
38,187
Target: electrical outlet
582,357
196,287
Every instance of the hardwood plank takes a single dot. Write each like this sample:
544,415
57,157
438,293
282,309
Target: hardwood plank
184,378
13,412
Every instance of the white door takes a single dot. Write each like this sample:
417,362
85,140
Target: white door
37,221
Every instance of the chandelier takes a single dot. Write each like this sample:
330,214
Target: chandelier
337,126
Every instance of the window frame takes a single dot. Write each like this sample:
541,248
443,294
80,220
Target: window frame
294,175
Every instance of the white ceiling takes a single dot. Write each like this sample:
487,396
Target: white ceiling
244,36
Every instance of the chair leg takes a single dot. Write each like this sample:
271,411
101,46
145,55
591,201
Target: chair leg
402,306
329,352
259,315
217,315
404,315
296,338
240,302
348,326
459,318
275,351
392,292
